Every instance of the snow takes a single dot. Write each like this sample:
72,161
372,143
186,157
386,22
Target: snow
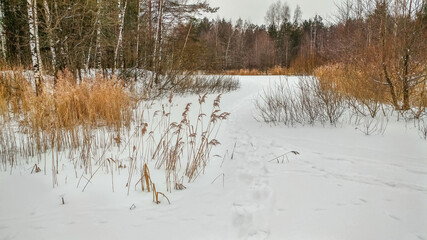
343,185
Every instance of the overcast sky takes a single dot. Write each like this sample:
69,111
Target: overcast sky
254,10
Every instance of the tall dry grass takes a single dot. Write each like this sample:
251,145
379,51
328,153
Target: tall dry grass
64,116
276,70
364,93
100,126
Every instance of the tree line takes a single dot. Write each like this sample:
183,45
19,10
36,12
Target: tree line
53,35
150,34
384,39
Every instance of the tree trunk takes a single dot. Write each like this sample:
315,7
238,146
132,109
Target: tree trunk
34,45
98,51
49,34
89,52
119,47
405,79
158,45
36,27
138,29
2,33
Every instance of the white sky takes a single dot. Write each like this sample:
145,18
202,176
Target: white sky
255,10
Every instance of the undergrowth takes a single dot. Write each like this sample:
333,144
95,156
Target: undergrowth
307,102
311,100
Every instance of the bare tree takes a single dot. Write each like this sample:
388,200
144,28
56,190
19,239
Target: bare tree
402,48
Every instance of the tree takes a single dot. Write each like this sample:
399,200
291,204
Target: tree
121,21
49,33
2,32
34,44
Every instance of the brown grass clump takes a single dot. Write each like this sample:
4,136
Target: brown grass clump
13,87
63,116
276,70
355,85
351,81
98,102
244,72
93,103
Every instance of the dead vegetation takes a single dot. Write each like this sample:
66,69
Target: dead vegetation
308,102
100,125
276,70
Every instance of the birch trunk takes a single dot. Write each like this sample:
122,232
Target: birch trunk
227,50
49,34
148,60
138,29
121,20
36,27
158,45
98,51
34,45
2,32
86,64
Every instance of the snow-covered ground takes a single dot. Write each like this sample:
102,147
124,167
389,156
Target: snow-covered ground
343,185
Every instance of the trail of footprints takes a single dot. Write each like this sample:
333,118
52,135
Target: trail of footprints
252,209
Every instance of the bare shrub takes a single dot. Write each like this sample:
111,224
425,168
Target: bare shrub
198,84
373,125
307,103
331,101
274,105
422,128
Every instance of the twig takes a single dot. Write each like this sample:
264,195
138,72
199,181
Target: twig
283,157
223,178
232,154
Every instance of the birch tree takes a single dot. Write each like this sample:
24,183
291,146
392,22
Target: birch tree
34,45
121,21
2,32
158,44
49,35
98,51
138,34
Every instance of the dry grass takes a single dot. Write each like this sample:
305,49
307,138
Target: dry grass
281,158
189,139
62,117
276,70
199,84
365,94
85,121
244,72
14,86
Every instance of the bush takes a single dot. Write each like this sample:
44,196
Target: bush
308,102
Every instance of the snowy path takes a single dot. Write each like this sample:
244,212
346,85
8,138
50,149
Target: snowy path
343,185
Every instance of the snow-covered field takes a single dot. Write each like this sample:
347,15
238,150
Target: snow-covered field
343,185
